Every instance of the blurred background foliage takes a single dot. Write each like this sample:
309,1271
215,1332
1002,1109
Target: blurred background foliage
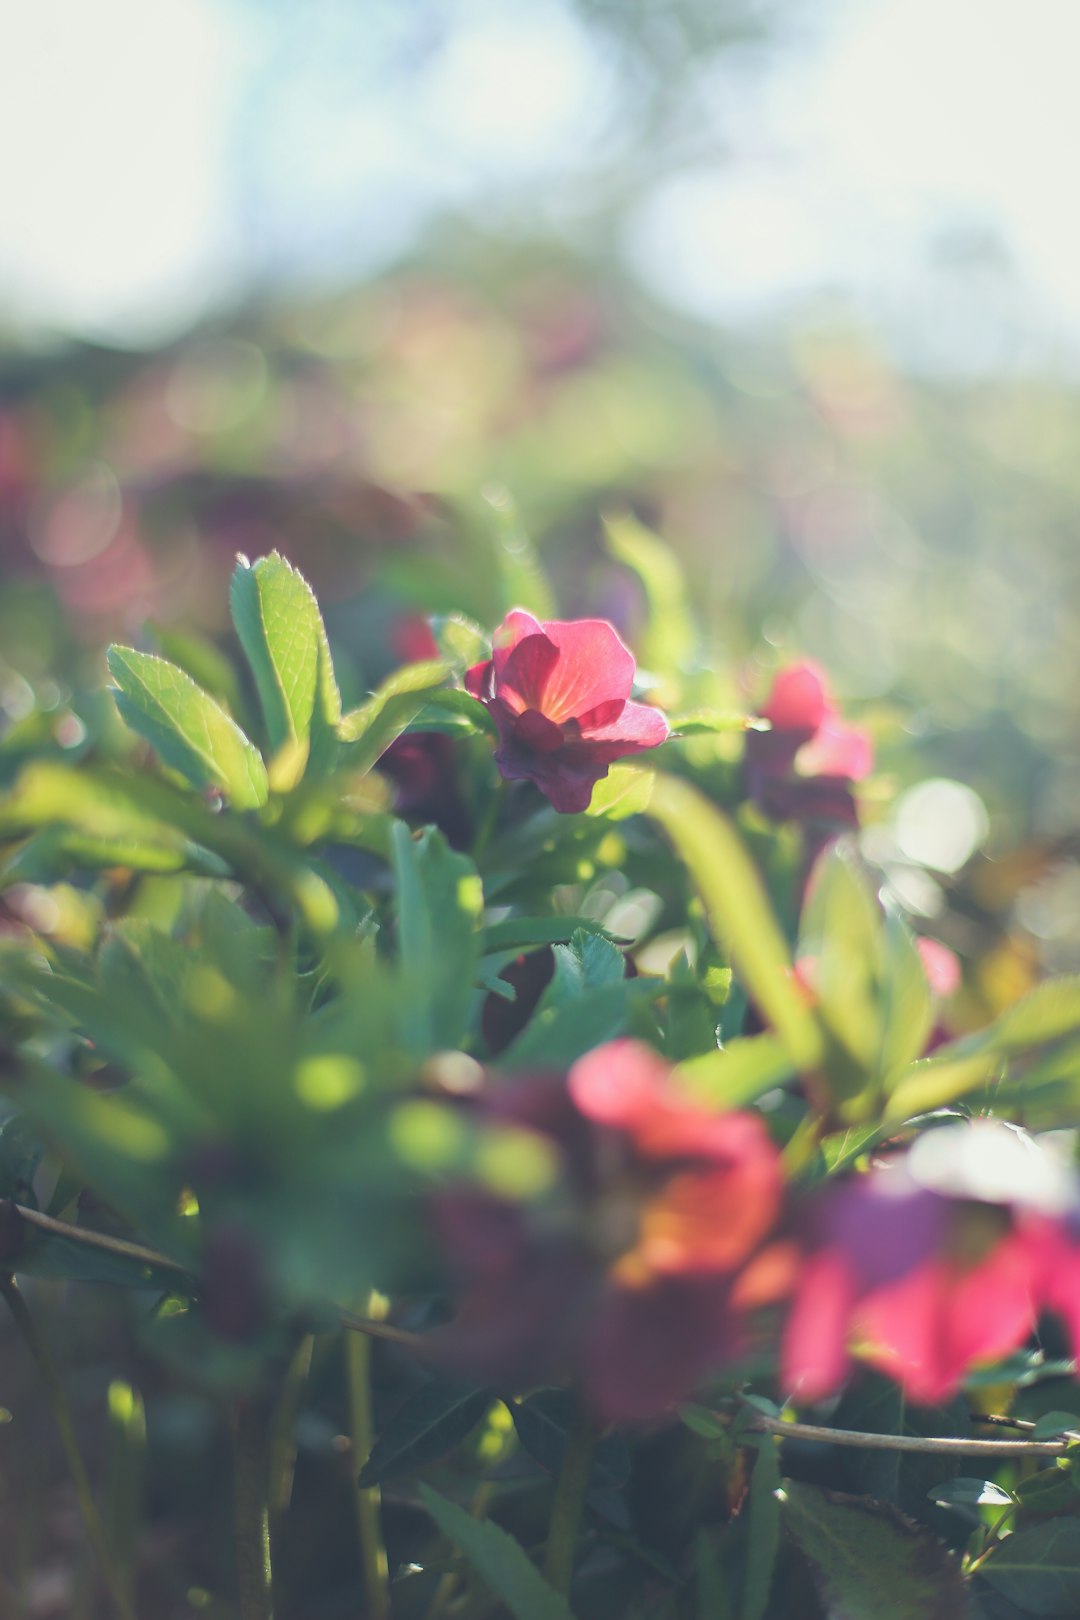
442,252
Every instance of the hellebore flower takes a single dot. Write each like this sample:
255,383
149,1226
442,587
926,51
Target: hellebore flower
645,1282
559,694
803,767
934,1263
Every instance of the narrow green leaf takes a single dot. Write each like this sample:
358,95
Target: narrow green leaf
501,1563
737,1073
558,1034
367,732
440,899
522,932
1038,1569
670,633
739,912
428,1425
908,1007
764,1541
281,631
871,1563
191,733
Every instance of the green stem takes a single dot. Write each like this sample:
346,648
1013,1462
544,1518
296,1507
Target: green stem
568,1503
367,1501
490,819
54,1389
251,1515
282,1432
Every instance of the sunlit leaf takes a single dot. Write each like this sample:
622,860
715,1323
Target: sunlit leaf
367,732
187,728
282,634
739,912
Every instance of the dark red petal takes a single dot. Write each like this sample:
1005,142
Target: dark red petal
799,699
537,733
478,680
649,1347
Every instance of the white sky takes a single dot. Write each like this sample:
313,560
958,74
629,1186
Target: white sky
137,188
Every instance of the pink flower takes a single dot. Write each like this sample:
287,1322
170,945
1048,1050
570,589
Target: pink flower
560,695
803,767
646,1284
934,1263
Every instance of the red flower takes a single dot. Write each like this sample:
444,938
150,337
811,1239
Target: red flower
646,1286
560,696
934,1263
803,767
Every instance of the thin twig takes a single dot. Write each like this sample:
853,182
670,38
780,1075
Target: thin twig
97,1240
946,1445
154,1257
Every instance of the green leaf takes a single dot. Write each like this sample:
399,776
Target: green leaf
874,1404
737,1074
870,1563
501,1563
191,733
1052,1424
764,1540
515,933
440,900
454,712
425,1428
21,1151
586,963
841,933
625,791
739,913
968,1495
281,631
558,1034
1038,1569
203,662
543,1422
908,1006
367,732
670,633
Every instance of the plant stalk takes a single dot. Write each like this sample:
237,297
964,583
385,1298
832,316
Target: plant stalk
58,1400
251,1510
569,1500
367,1500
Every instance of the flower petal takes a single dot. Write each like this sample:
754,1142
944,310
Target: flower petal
799,699
594,667
836,750
815,1354
638,726
522,680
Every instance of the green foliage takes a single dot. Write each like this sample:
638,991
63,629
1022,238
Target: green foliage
868,1560
428,1425
191,732
440,899
280,628
498,1560
1038,1569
